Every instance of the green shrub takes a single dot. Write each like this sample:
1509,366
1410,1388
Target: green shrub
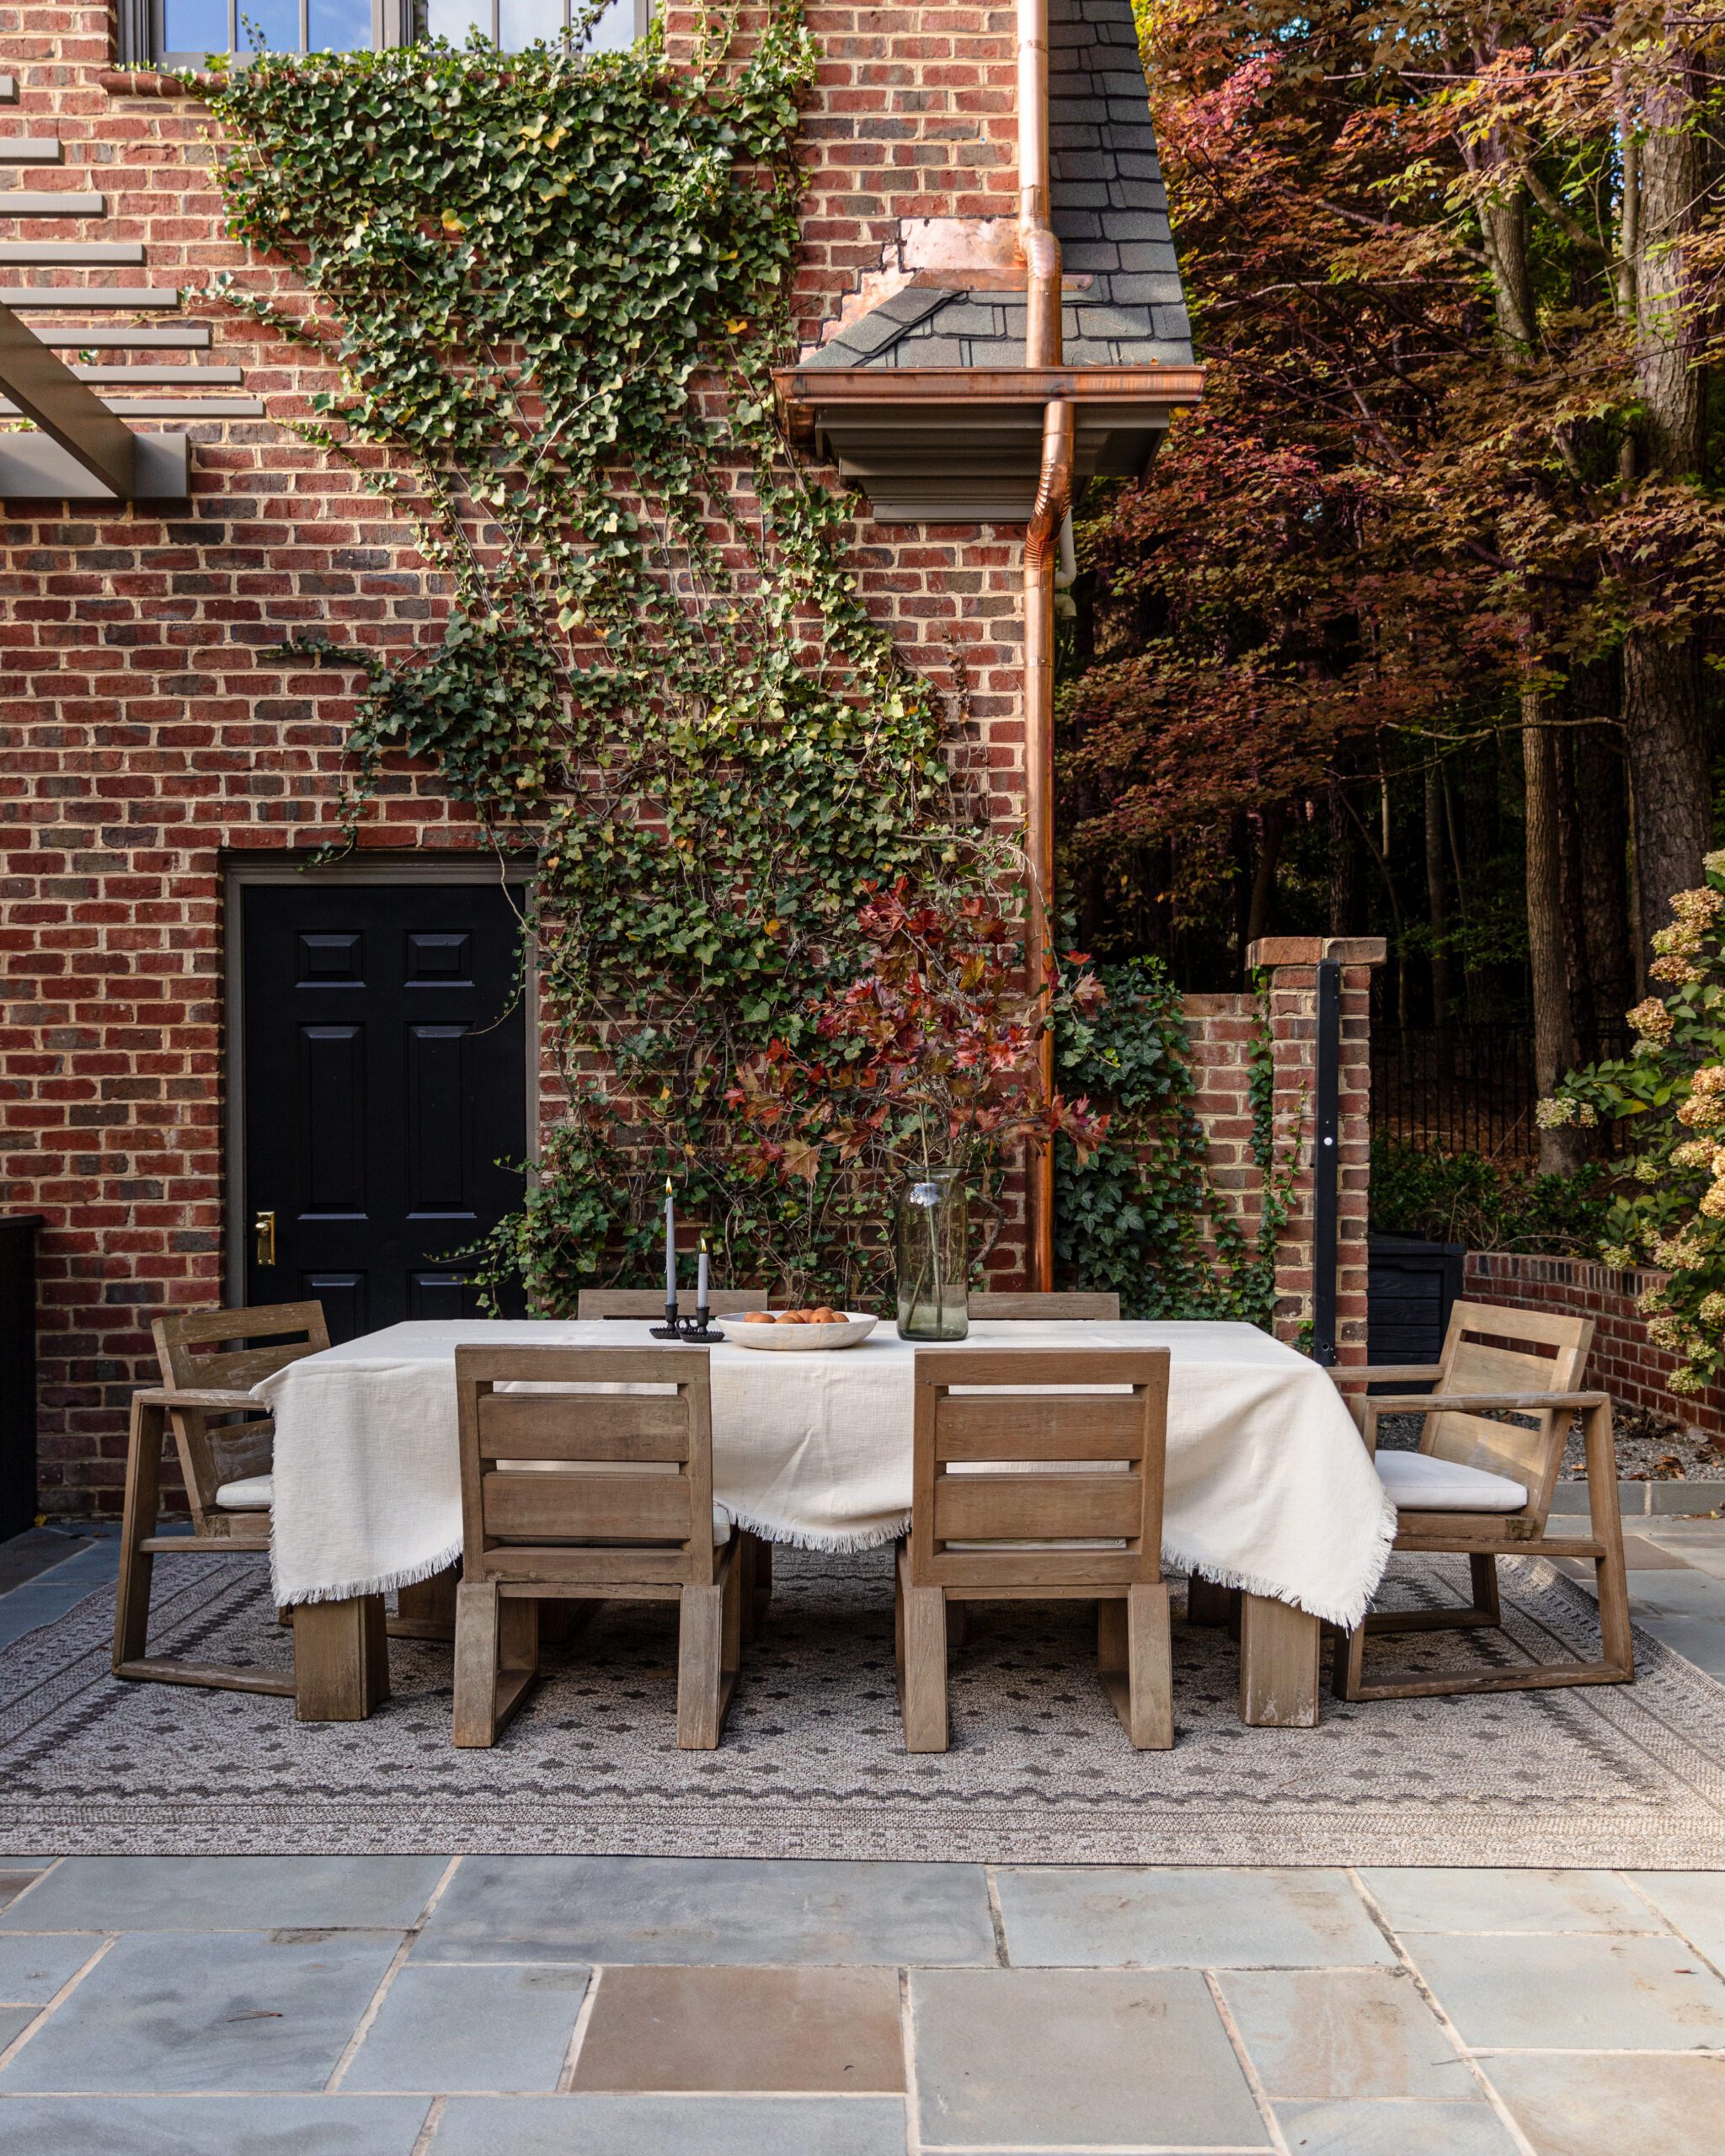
1463,1197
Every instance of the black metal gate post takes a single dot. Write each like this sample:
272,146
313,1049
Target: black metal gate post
1325,1162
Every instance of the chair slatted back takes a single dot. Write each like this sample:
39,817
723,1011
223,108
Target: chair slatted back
1062,1302
1474,1361
585,1485
230,1351
990,1452
649,1302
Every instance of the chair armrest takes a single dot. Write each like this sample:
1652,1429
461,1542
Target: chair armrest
1472,1403
1385,1373
200,1397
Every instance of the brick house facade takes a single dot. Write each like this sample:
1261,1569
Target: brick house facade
155,753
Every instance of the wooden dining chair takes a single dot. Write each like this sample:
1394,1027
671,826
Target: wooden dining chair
210,1360
1029,1495
1061,1303
754,1551
649,1302
1481,1487
594,1495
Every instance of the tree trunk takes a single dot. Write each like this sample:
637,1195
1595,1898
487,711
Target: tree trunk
1560,1153
1583,1019
1662,721
1344,865
1602,840
1436,912
1262,911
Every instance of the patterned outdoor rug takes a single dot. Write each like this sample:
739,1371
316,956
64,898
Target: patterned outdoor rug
813,1763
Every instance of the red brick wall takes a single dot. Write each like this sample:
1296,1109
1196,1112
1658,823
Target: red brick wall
1221,1029
144,731
1625,1362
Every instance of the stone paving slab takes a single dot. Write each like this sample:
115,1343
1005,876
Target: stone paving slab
450,2027
1578,1991
1077,2058
32,1970
691,1910
672,2126
1104,1916
744,2031
1439,1899
1394,2129
1335,2034
1620,2106
210,2126
220,2012
227,1893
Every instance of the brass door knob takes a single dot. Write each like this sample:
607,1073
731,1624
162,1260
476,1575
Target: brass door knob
264,1227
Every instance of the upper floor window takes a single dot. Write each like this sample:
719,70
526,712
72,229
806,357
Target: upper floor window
185,31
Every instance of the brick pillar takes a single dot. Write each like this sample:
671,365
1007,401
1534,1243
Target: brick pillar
1291,962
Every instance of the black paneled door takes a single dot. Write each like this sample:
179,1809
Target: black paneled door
385,1077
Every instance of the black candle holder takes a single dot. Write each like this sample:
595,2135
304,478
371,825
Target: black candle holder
697,1332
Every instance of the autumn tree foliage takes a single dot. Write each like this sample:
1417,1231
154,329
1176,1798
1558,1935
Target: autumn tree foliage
1446,508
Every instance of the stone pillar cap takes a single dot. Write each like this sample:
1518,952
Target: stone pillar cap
1307,950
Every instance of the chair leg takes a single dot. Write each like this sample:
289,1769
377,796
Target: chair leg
754,1565
143,1491
923,1689
478,1607
701,1631
426,1610
1349,1671
1135,1658
1483,1569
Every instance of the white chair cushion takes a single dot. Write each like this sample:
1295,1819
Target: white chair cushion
1419,1483
256,1493
721,1526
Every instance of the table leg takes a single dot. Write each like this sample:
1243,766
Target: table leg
1207,1603
340,1659
1278,1664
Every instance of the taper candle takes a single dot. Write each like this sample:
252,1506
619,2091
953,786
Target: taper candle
671,1247
701,1285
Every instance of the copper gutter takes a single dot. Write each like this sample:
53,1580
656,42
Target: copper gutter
1041,252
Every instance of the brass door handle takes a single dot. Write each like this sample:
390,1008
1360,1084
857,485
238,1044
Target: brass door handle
264,1227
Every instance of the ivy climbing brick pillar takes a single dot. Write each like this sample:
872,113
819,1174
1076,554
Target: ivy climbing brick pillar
1288,966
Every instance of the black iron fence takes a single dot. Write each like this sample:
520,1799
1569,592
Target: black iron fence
1468,1089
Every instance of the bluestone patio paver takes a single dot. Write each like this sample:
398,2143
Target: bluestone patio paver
1616,2106
229,1893
1394,2129
1110,1917
1440,1900
1582,1991
1077,2058
210,2126
13,2021
672,2126
225,2012
696,1909
1699,1639
752,2031
32,1970
1694,1901
1322,2033
492,2029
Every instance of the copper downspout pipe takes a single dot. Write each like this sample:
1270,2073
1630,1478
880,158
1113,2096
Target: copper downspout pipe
1041,253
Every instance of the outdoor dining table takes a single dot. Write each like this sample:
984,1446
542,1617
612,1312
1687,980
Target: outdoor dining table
1269,1490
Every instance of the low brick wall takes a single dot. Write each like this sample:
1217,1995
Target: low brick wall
1625,1362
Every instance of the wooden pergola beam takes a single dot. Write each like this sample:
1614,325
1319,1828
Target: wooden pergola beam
44,389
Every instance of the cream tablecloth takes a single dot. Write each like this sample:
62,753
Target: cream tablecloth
1269,1486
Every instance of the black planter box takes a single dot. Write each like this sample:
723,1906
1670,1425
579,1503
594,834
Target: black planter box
17,1373
1410,1287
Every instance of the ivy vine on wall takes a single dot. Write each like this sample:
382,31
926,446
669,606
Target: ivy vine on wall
554,286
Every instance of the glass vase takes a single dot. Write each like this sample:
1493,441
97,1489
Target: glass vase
933,1246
